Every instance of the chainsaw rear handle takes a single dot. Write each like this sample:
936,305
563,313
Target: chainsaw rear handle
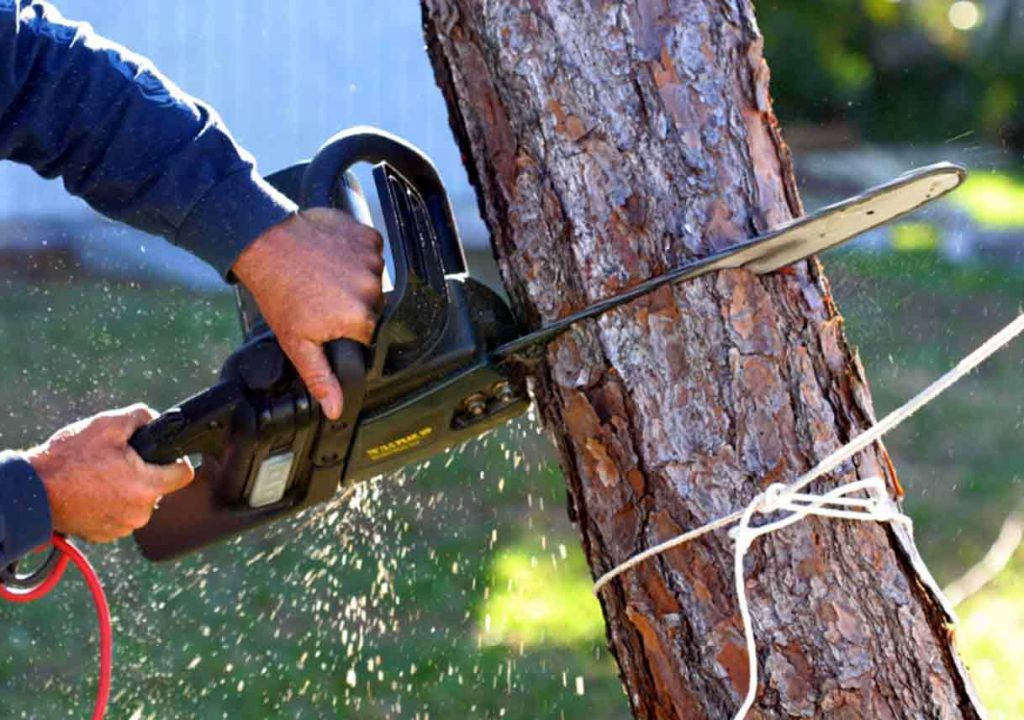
154,441
199,424
191,427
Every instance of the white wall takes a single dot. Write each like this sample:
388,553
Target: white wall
284,74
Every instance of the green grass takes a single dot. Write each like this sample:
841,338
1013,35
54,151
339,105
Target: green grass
914,236
994,199
991,636
537,599
70,349
912,316
379,608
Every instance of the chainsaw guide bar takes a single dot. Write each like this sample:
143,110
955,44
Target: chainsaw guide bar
795,241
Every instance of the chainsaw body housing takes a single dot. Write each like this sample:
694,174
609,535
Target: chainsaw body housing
425,383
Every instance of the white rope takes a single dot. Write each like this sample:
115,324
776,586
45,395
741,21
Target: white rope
877,507
836,503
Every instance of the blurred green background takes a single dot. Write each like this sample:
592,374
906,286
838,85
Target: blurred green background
899,70
458,589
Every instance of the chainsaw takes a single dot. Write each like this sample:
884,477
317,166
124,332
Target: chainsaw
445,364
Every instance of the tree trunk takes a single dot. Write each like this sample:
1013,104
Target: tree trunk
609,141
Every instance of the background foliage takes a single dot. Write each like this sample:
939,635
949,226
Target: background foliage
899,70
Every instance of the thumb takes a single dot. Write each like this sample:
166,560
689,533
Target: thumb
315,371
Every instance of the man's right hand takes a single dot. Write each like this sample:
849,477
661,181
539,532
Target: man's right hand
316,277
98,486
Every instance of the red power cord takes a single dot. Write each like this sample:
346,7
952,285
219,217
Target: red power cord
70,553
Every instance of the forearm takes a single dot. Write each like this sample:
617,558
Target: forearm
124,138
25,521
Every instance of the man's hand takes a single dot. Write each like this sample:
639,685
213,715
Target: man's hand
316,277
99,488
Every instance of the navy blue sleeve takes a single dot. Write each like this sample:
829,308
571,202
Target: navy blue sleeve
124,138
25,522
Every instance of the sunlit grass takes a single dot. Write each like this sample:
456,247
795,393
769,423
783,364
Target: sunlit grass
991,636
995,199
540,599
914,236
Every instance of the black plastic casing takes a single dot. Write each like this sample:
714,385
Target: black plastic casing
425,384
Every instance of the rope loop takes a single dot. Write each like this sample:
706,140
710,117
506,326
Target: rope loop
773,498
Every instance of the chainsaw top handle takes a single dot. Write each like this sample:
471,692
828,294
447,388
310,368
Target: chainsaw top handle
419,227
325,179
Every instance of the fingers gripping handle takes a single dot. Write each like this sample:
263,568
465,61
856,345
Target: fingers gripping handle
154,441
348,360
327,182
194,426
186,429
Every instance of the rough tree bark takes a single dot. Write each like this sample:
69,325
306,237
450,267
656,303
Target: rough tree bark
607,142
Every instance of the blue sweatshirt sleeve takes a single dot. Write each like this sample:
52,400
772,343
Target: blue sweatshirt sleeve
25,522
124,138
